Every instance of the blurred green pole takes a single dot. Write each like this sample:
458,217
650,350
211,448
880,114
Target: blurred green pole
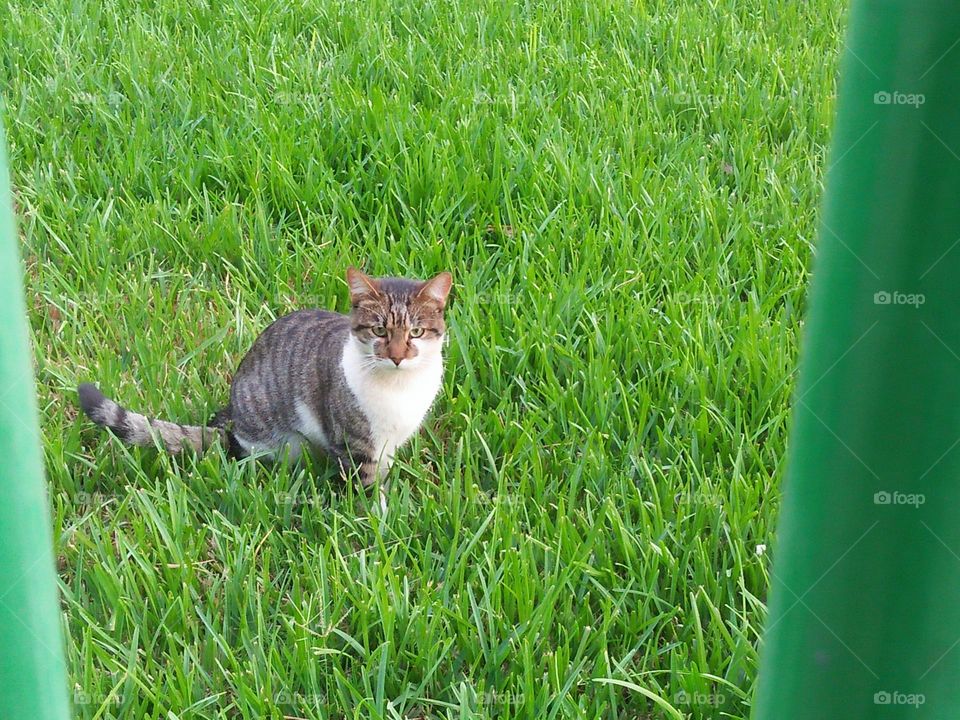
864,612
33,684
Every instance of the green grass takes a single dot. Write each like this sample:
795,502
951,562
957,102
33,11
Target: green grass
625,194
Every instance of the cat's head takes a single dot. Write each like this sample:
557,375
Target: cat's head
398,322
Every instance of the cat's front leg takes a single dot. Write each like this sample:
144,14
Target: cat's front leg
370,472
374,472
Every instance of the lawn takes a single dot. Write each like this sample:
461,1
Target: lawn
626,196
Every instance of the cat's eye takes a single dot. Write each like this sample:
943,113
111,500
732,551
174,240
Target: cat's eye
416,332
379,330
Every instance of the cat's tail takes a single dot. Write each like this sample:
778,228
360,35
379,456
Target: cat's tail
136,429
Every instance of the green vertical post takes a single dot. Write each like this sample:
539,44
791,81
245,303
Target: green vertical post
33,681
864,611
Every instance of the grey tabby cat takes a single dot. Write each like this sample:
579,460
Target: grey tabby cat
354,387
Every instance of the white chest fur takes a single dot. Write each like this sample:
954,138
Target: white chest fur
394,400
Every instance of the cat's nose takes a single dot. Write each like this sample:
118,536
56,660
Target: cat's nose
396,361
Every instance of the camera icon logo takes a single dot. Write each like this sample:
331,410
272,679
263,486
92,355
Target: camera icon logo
882,298
882,98
881,698
882,498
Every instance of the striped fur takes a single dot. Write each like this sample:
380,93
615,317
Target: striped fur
136,429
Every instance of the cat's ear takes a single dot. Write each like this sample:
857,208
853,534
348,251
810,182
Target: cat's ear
437,288
361,285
